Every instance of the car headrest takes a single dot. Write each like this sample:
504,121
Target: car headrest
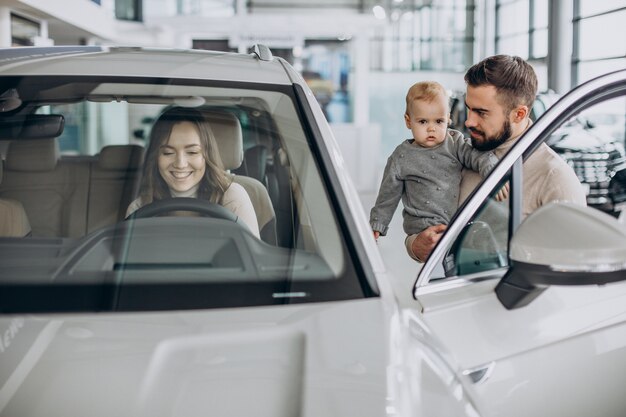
121,157
33,155
255,162
229,138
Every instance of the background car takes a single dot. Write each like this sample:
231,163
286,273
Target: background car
594,150
160,314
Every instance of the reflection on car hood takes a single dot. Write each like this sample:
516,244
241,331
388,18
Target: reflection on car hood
326,359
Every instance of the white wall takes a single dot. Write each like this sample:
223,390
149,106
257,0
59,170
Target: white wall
5,26
360,146
83,15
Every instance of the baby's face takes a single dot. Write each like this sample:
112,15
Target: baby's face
428,121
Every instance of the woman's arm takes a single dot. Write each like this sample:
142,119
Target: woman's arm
133,206
237,200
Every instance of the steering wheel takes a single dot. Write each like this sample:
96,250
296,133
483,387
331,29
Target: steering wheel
196,205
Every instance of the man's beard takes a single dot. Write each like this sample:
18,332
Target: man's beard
490,143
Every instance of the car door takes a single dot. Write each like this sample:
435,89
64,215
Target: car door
563,354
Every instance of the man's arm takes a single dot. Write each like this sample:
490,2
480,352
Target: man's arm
425,241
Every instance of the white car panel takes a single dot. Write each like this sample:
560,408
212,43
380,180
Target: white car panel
121,61
316,360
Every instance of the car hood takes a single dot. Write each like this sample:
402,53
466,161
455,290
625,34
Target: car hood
325,359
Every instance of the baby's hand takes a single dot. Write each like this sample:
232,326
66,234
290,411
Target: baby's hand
376,234
503,193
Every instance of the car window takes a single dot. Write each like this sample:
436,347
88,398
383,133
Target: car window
483,243
76,180
595,151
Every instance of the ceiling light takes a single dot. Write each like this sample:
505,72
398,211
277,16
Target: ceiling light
379,12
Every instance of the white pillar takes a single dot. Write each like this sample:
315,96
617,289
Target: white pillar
43,39
43,29
484,29
5,27
241,8
387,48
560,35
360,52
241,11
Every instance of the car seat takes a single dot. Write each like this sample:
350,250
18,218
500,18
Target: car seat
227,130
267,162
13,219
114,184
53,192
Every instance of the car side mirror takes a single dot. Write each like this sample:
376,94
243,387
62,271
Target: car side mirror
562,244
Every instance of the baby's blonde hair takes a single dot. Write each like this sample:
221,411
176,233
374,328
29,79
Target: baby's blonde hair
424,90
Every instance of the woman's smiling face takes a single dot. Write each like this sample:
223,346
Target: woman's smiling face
181,160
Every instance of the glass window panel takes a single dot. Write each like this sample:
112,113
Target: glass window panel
515,45
513,18
426,19
225,262
483,244
540,43
591,7
23,28
540,13
414,40
589,70
454,3
445,17
129,10
376,53
205,8
426,62
159,8
405,44
603,36
460,21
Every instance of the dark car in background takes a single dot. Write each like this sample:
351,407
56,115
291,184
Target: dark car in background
592,144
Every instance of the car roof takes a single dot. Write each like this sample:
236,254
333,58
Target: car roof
144,62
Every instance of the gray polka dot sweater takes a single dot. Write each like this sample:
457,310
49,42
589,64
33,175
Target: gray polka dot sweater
427,180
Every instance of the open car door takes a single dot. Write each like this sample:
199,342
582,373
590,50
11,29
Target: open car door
534,310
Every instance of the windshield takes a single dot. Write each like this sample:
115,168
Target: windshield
92,224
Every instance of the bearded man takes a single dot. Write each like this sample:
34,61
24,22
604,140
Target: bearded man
501,90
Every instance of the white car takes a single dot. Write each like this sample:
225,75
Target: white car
170,315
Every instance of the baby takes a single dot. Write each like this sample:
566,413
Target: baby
425,172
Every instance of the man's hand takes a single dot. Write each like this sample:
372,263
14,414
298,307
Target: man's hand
376,234
424,242
503,193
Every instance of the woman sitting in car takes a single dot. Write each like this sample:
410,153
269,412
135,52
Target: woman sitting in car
182,160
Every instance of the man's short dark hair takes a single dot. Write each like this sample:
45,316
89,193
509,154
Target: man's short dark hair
514,79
